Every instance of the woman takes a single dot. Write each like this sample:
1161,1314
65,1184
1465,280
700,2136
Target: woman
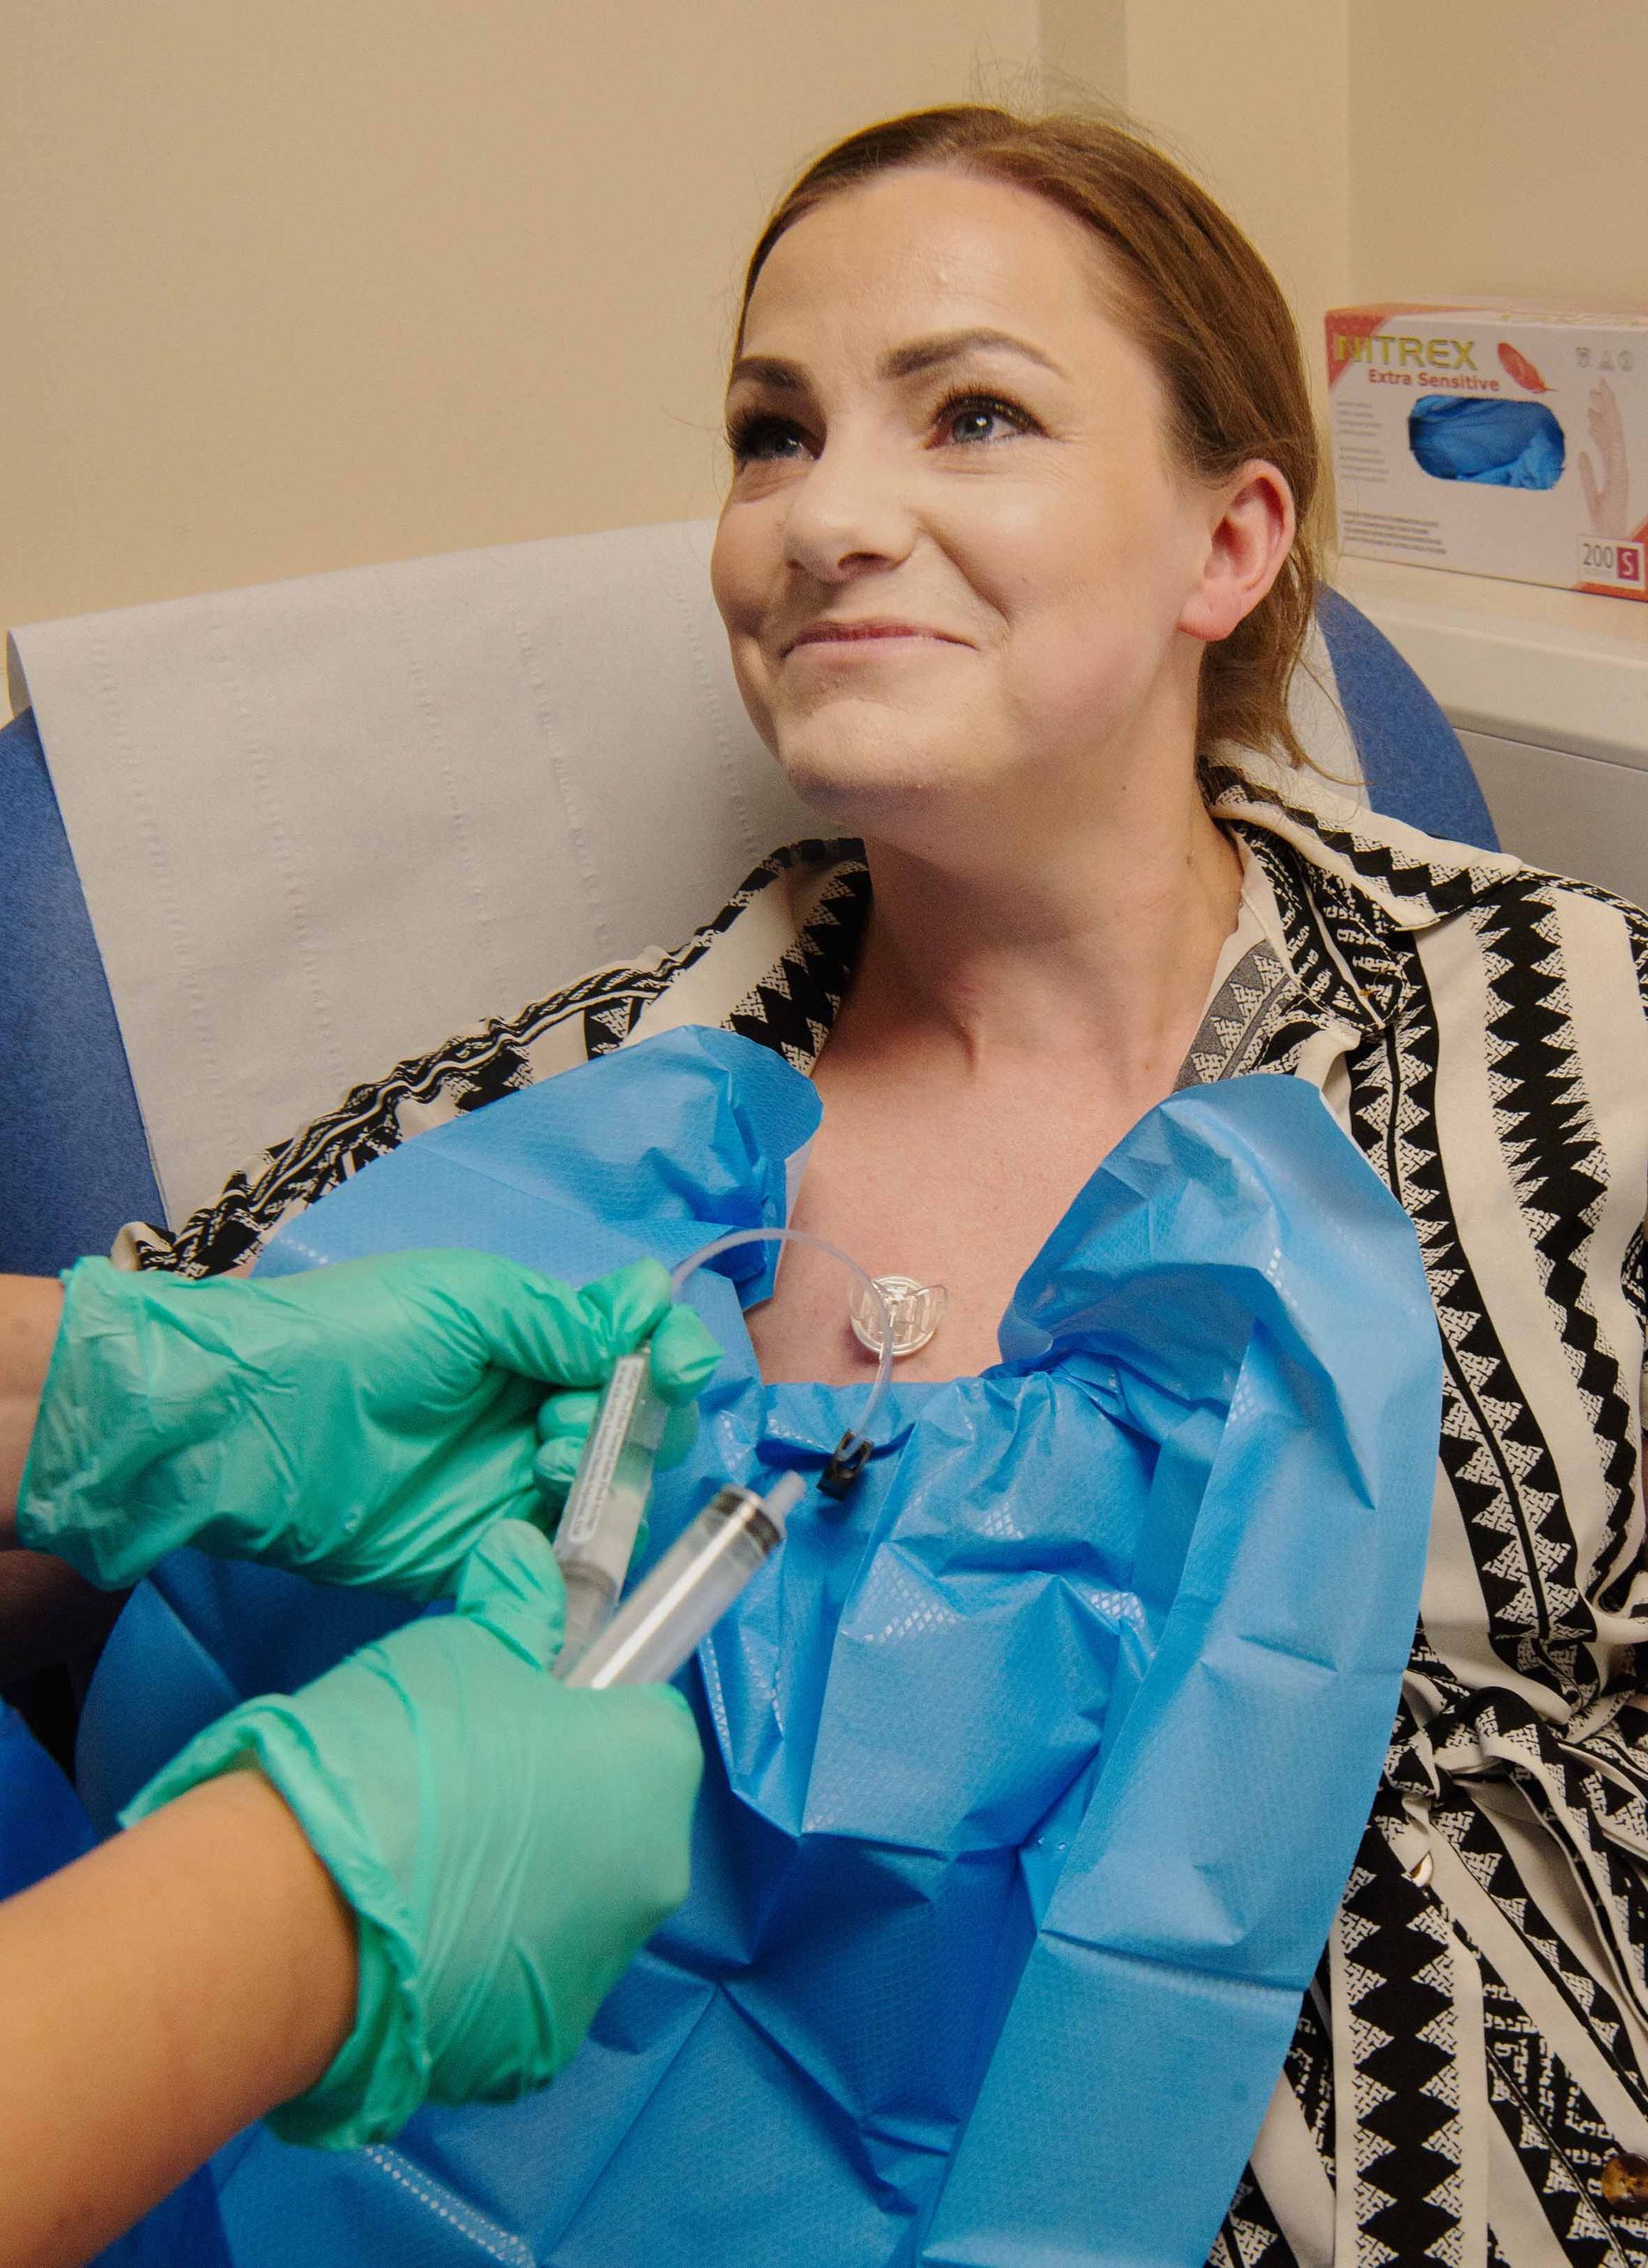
1015,566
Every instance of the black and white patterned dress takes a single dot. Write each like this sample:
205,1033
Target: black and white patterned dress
1469,2083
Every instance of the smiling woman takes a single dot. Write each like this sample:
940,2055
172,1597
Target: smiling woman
1015,565
995,479
1180,283
978,563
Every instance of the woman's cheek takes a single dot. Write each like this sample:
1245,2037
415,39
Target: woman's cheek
745,561
754,679
1024,548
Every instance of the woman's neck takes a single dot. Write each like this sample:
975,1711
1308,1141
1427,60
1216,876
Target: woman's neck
1093,942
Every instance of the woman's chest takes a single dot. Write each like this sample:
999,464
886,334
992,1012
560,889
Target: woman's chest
959,1192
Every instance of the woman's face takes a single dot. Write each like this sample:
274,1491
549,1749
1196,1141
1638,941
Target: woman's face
956,560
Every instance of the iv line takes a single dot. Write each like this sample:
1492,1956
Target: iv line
853,1449
607,1499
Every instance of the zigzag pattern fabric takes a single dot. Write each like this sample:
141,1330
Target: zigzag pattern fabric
1470,2069
589,1017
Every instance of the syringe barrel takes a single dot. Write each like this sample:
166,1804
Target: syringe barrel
607,1502
693,1585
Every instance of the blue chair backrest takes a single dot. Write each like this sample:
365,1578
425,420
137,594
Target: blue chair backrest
74,1165
1411,758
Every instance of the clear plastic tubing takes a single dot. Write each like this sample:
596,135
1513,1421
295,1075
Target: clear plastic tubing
693,1585
878,1298
607,1501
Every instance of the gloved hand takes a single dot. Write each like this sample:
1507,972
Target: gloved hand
359,1424
507,1846
563,1423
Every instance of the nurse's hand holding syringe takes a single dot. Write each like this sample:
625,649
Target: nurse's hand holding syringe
362,1424
417,1877
414,1879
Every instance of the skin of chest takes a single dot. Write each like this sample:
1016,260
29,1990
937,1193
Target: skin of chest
958,1183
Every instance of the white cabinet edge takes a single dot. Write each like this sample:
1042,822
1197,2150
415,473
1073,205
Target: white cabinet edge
1554,668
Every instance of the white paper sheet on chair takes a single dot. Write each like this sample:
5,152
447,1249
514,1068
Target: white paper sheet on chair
323,824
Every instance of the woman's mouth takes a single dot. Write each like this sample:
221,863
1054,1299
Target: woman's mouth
847,635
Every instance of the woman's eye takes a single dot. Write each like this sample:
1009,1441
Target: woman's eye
973,417
765,438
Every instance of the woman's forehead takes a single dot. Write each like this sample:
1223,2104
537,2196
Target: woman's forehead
917,250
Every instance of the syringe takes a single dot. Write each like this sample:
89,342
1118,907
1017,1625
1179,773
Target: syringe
693,1585
607,1500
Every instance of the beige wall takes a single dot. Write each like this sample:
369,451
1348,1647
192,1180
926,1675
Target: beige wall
340,280
1398,148
1499,146
1253,95
296,286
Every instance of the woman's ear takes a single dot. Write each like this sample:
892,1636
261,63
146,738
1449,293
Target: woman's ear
1247,544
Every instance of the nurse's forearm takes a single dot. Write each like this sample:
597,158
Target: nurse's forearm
155,1997
30,1308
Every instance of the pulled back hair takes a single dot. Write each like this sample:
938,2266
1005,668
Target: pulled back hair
1198,298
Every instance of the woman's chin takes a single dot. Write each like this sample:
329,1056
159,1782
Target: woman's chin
859,788
854,800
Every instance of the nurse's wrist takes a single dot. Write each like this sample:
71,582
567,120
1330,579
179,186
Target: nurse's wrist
95,1411
374,2072
321,2009
30,1310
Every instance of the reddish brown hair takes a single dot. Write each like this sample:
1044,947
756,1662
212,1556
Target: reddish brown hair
1199,300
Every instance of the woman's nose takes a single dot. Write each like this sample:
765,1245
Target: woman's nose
848,513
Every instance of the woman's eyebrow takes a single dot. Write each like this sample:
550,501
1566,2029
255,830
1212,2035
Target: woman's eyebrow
950,346
903,362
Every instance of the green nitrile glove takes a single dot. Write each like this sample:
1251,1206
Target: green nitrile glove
359,1424
564,1420
507,1846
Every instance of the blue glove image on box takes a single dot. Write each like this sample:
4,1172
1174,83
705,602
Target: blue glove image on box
1503,444
1035,1770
